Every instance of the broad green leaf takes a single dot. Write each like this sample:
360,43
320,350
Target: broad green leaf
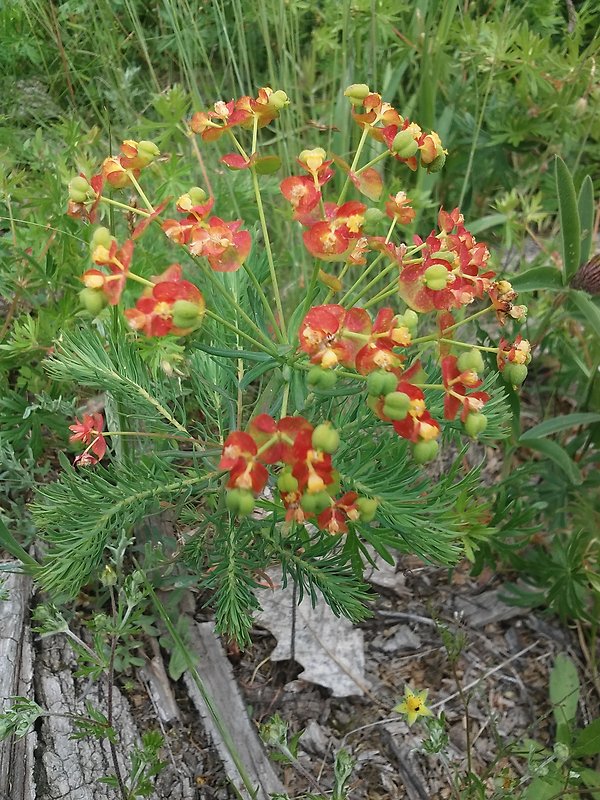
588,308
590,777
558,454
585,206
564,690
267,165
587,741
569,219
556,424
490,221
544,788
538,278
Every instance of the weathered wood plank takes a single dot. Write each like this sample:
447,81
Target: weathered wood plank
16,755
221,686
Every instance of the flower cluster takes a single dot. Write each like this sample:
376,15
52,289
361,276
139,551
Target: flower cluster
89,432
404,139
308,484
451,270
245,112
223,244
171,305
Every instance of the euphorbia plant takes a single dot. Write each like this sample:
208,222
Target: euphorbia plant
301,412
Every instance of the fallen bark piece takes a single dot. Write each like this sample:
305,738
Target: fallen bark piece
329,648
486,608
16,676
158,686
219,682
405,763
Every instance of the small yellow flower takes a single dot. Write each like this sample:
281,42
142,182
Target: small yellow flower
413,705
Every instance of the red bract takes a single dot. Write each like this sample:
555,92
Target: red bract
302,194
118,260
458,256
418,424
159,310
398,207
335,518
456,384
378,352
89,431
263,109
282,435
312,468
147,221
221,243
333,240
323,334
238,445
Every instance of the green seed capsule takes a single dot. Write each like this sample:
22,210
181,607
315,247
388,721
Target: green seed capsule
471,360
319,378
404,144
315,503
93,300
514,374
381,382
101,237
286,483
425,451
367,508
326,438
475,423
240,502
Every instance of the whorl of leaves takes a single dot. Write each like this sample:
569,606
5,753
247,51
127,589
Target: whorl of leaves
77,514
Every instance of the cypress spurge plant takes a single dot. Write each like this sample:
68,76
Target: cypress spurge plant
276,431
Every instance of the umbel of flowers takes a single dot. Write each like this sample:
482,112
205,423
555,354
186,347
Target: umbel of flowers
438,275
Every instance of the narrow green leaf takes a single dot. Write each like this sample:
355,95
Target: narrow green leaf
587,741
490,221
532,280
556,453
10,544
564,689
585,206
569,219
556,424
588,308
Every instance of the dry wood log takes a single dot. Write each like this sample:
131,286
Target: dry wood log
220,684
16,755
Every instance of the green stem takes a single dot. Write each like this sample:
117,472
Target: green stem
140,191
376,279
190,662
239,332
311,288
285,398
216,283
139,279
362,277
280,329
382,295
359,149
124,206
470,346
434,336
262,295
373,161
